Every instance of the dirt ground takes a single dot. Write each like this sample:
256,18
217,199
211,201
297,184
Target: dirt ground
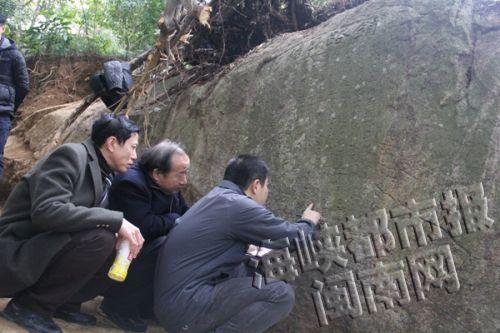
56,81
91,307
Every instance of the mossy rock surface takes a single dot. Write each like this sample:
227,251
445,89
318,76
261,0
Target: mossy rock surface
388,102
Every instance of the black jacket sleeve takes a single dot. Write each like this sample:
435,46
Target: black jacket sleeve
134,201
20,78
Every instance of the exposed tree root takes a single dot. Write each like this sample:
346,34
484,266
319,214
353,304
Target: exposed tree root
194,45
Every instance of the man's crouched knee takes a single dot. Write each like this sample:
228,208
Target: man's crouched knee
283,293
99,241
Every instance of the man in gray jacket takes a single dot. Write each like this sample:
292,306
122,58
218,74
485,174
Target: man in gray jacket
201,281
56,236
14,85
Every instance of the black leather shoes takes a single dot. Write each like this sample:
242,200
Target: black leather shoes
131,323
33,321
75,317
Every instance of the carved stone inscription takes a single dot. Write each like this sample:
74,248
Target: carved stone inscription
360,249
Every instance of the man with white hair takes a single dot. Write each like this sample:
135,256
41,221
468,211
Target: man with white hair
149,196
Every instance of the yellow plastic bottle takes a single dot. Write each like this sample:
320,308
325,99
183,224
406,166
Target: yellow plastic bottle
118,270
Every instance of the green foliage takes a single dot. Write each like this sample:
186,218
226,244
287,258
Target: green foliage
136,22
8,7
102,43
52,35
121,28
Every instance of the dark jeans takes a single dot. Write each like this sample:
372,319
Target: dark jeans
134,296
78,273
237,306
5,124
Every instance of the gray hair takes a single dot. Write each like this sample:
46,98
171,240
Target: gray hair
159,156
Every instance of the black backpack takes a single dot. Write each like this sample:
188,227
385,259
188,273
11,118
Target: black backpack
112,82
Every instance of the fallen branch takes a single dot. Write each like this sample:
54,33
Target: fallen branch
139,60
165,50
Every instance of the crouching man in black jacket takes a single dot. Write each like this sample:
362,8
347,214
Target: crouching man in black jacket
148,195
14,85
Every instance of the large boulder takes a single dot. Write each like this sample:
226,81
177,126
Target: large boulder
387,117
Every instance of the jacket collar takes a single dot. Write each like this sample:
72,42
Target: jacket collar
231,186
95,169
5,43
149,182
105,169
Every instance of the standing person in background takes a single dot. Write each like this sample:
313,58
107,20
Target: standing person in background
149,196
14,85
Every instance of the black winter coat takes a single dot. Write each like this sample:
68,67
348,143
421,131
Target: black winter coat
144,204
14,81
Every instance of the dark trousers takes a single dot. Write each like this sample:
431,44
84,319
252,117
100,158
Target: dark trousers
134,296
237,306
5,124
78,273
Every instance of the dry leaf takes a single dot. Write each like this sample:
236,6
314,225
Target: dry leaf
204,16
184,39
161,21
